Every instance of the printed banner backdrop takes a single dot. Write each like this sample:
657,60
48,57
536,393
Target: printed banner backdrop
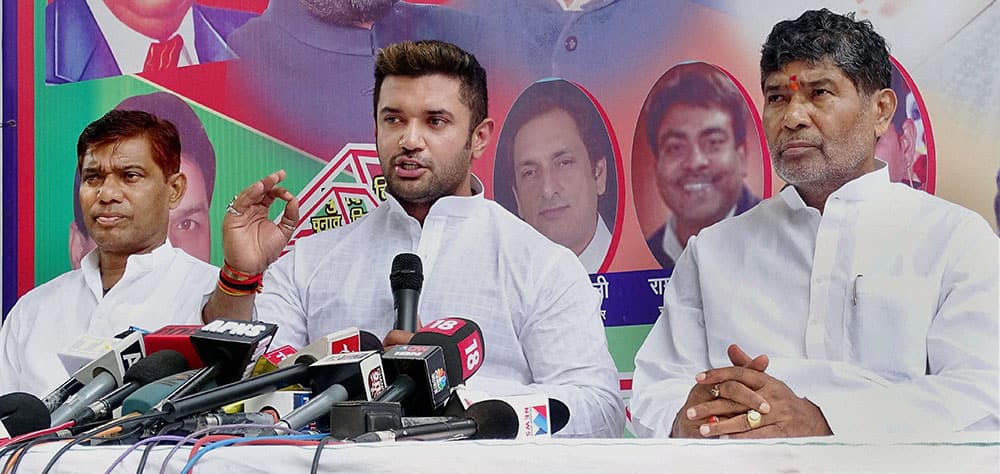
602,114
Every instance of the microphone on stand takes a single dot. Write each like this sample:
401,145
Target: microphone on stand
406,279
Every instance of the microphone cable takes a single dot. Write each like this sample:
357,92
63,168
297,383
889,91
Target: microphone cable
319,452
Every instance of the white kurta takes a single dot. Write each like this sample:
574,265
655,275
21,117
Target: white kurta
882,311
165,286
539,314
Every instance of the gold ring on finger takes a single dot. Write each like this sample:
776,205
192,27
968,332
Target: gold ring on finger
715,391
753,419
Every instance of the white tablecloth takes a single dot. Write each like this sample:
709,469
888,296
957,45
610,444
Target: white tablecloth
980,453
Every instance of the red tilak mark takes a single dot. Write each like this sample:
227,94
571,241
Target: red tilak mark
794,86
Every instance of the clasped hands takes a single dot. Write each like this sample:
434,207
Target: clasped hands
718,404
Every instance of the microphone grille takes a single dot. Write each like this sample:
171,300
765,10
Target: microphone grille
407,272
23,413
495,419
156,366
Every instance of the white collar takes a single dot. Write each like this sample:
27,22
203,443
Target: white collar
129,47
593,256
135,264
573,6
458,206
871,185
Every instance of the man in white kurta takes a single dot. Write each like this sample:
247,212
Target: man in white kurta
532,299
130,179
882,311
537,310
165,286
874,304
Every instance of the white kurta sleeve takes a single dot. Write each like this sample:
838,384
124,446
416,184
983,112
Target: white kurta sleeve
674,352
10,352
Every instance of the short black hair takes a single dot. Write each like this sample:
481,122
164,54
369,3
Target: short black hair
541,97
556,94
426,57
194,140
818,35
698,85
118,125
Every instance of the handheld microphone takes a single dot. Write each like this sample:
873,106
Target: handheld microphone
406,279
148,370
147,398
228,348
22,413
489,419
90,356
345,340
462,343
336,378
539,415
420,380
100,376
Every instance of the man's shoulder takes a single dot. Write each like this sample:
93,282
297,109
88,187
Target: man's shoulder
924,209
181,257
512,228
764,212
332,240
523,243
52,288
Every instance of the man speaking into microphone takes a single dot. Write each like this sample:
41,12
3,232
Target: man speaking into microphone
532,298
129,167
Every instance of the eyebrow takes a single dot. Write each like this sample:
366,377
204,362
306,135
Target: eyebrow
712,131
533,162
188,211
673,133
439,112
393,110
824,82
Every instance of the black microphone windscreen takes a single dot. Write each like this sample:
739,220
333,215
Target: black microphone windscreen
369,341
495,419
407,272
156,366
23,413
558,415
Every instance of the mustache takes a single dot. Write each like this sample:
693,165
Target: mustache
698,176
796,141
410,157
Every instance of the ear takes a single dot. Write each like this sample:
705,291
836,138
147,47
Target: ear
883,106
908,141
481,137
78,245
178,185
601,175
